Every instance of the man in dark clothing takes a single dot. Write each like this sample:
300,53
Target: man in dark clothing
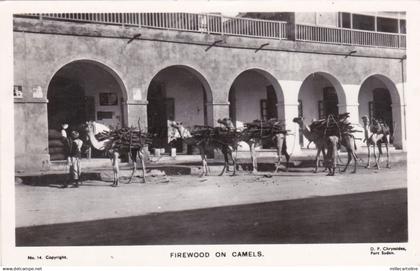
73,159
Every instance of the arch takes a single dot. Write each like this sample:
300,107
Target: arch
260,104
390,85
269,76
83,90
181,93
320,94
378,97
193,70
98,63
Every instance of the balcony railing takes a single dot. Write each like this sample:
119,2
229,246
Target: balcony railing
235,26
193,22
347,36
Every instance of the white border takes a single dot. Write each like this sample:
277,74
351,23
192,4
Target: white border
285,255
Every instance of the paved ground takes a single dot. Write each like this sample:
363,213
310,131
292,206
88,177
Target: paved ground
291,207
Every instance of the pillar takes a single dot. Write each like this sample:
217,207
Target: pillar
351,103
399,135
290,107
31,129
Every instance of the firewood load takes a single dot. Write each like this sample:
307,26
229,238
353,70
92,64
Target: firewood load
124,139
263,129
216,135
333,126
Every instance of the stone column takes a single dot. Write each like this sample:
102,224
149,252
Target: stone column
290,112
351,104
31,126
398,115
290,108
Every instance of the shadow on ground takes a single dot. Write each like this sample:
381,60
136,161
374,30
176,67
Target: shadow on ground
372,217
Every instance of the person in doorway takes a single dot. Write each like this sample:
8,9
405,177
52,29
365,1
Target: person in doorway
73,159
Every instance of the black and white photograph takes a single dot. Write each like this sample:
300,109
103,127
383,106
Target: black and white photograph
216,134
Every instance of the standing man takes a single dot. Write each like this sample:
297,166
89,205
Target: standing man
73,160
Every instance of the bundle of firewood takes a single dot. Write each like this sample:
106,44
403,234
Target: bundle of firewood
333,126
262,129
218,135
126,138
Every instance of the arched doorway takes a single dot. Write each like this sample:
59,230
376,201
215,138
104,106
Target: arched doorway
255,95
379,99
177,93
82,91
319,96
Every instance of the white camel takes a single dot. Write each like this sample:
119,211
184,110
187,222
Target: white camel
108,146
375,134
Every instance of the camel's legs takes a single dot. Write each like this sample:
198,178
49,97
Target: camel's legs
374,154
115,167
282,149
253,158
141,156
318,151
355,161
134,170
348,161
226,161
204,161
323,157
134,159
234,163
368,149
387,154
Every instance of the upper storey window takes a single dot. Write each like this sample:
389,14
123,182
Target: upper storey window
372,23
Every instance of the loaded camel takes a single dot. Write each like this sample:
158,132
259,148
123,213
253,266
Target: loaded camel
312,136
207,138
253,139
110,145
320,133
375,134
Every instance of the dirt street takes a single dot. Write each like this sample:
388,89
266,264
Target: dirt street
291,207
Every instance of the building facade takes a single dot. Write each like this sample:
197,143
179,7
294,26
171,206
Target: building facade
142,69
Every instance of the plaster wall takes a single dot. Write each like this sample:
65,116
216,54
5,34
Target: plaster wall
188,94
250,88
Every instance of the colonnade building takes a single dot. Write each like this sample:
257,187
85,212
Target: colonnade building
142,69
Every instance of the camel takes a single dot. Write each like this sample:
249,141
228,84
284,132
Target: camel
318,139
322,140
376,133
108,146
204,144
252,142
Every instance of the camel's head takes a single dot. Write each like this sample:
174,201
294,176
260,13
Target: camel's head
227,122
298,120
365,120
176,130
174,124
